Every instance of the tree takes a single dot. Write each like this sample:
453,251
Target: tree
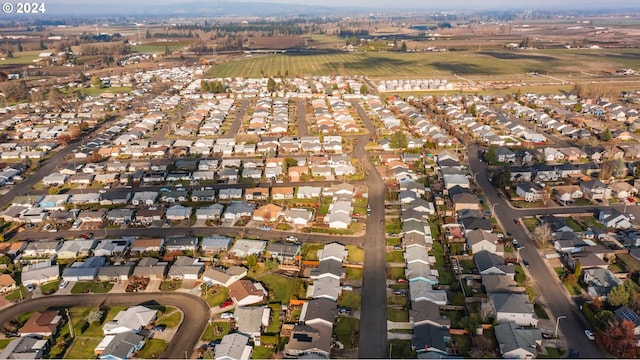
94,316
63,139
490,155
364,90
636,172
403,47
619,169
578,270
252,261
290,162
96,82
606,135
619,296
619,339
58,349
20,48
54,190
505,178
542,233
398,140
605,318
271,85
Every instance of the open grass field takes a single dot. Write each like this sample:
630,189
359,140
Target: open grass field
158,47
500,64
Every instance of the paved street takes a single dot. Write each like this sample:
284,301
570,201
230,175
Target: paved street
301,118
551,292
196,313
373,319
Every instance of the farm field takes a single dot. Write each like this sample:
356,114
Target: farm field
501,64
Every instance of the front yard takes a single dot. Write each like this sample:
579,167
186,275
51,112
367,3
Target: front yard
347,330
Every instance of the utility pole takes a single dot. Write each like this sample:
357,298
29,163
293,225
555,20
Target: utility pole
70,323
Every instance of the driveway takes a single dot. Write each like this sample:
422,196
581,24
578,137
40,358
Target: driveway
196,313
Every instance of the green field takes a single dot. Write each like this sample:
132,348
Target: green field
496,63
21,58
157,47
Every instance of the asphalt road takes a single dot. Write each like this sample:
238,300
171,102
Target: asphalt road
551,292
195,313
301,116
373,315
237,121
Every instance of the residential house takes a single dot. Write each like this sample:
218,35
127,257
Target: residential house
180,243
7,283
466,200
489,263
427,312
595,189
310,341
246,292
479,240
132,319
25,347
110,247
567,194
185,268
283,251
41,248
298,216
516,308
327,287
334,250
424,291
142,245
222,276
119,346
250,320
529,191
613,219
430,340
599,282
267,213
215,244
41,323
115,273
319,311
245,247
84,270
516,342
40,273
150,268
234,347
71,249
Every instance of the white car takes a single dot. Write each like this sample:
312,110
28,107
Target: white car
226,315
292,239
589,335
347,288
64,284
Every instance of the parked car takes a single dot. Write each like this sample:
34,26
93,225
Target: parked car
589,335
402,281
631,200
292,239
213,343
265,228
344,310
63,284
11,334
397,247
159,328
30,287
87,235
347,288
226,303
525,262
226,315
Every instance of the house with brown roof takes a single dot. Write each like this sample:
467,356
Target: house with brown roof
282,193
269,212
7,283
246,292
256,194
12,248
295,172
41,323
146,245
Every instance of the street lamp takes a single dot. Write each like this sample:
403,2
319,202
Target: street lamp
493,208
518,253
555,333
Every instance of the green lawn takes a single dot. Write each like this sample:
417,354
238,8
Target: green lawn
170,285
592,222
274,323
397,300
467,265
354,273
540,311
350,299
83,347
218,297
393,241
309,251
17,294
438,252
401,349
4,343
279,287
552,353
346,329
152,349
530,223
395,273
262,352
21,58
171,318
84,287
397,315
572,223
356,254
395,256
50,288
632,264
210,332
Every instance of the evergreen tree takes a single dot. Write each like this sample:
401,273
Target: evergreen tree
490,155
271,85
606,135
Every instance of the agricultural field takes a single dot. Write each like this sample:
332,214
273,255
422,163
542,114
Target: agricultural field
500,65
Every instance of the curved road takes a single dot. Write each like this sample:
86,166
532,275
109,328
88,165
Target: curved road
195,313
550,291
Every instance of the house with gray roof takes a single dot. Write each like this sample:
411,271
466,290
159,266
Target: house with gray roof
309,341
419,271
41,248
283,251
423,291
25,347
132,319
489,263
245,247
428,338
479,240
334,251
71,249
233,347
180,243
120,216
224,277
211,212
119,346
251,320
115,273
109,247
40,273
510,307
427,312
326,287
516,342
215,244
599,282
151,268
328,268
185,268
321,310
239,209
84,270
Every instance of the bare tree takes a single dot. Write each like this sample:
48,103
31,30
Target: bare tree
542,233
